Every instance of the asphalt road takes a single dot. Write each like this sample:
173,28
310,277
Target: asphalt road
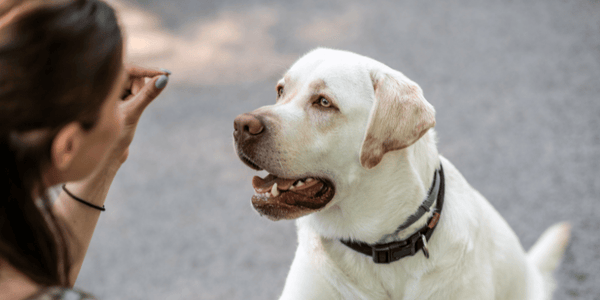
516,88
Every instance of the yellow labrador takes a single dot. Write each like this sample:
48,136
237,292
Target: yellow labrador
351,152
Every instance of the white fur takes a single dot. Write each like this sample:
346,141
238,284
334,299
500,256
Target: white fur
474,252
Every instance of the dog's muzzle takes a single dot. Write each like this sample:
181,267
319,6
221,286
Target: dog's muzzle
277,197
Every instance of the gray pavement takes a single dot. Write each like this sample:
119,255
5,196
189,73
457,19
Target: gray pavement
516,88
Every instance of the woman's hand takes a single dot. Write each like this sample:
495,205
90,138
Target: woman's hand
82,219
141,87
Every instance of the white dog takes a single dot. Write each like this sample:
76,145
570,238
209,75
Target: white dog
350,149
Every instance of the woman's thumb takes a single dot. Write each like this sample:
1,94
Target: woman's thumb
149,92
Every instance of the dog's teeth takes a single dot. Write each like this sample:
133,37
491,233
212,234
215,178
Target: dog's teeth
274,190
292,187
300,183
268,195
309,179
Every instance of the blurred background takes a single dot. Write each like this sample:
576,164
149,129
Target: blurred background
516,87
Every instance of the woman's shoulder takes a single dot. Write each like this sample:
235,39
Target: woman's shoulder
60,293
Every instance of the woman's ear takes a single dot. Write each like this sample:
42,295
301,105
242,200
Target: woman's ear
66,146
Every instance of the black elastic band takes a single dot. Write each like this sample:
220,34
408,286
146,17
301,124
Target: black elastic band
102,208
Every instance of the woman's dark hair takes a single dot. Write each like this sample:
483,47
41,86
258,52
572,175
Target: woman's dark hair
58,63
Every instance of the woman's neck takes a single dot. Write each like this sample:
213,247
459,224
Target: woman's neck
14,285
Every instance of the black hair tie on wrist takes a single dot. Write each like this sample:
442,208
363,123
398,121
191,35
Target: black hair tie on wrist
102,208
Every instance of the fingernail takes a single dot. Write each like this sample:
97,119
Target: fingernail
161,82
166,71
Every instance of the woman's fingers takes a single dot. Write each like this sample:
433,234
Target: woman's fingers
137,71
137,85
140,100
136,79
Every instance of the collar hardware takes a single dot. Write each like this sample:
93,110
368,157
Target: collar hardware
434,220
387,253
425,248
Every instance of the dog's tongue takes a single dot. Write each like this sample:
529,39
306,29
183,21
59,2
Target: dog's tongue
265,184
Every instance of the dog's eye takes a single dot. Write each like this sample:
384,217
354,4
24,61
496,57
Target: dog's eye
324,102
279,91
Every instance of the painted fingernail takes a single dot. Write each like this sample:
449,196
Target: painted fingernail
161,82
166,71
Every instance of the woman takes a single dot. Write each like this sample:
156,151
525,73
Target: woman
68,112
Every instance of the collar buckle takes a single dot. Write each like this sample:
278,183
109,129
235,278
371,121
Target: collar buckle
382,255
391,252
387,253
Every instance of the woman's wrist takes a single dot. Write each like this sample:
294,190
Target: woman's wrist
82,218
94,188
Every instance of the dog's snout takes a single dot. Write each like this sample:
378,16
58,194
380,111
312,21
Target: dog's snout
247,124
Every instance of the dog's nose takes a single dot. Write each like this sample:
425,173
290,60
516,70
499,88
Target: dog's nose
247,124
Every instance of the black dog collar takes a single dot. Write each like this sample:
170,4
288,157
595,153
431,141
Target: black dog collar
391,252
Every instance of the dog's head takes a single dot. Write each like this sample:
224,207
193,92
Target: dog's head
336,114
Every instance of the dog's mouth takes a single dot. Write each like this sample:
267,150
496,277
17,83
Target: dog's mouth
283,198
287,198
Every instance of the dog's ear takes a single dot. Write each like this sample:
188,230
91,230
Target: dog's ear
399,117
